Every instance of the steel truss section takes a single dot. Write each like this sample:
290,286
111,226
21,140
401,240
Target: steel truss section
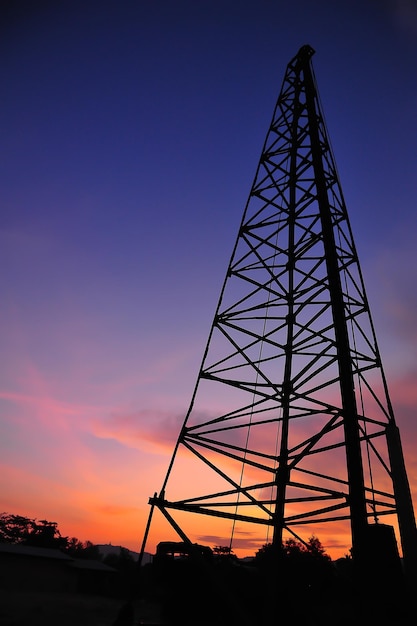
290,425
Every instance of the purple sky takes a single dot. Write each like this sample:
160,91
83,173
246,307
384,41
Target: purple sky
130,133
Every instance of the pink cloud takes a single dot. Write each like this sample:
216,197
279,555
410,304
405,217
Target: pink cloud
48,411
141,429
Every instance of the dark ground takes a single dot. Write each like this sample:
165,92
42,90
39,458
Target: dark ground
193,594
30,608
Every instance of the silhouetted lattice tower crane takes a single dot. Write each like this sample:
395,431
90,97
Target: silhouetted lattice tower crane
290,425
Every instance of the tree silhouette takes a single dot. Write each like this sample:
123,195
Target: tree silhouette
30,532
15,528
224,552
43,534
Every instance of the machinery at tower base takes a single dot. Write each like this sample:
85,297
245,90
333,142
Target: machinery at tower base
290,428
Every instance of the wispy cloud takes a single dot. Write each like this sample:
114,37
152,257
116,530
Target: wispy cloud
141,429
242,543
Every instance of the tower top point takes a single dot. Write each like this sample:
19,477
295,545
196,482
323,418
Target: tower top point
306,52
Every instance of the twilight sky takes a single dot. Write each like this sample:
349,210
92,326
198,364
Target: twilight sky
131,132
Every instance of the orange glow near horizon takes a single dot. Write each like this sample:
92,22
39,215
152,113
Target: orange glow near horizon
94,477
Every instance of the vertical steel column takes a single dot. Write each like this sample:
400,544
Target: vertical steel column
283,474
357,500
406,517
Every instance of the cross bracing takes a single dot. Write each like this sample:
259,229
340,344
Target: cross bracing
290,425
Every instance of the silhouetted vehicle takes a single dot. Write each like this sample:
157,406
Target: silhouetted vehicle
181,550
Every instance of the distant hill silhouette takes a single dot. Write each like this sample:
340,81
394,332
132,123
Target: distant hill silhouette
107,548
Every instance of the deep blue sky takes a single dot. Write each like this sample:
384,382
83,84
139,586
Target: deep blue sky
130,136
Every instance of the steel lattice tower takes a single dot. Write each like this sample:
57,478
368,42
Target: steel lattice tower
290,426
